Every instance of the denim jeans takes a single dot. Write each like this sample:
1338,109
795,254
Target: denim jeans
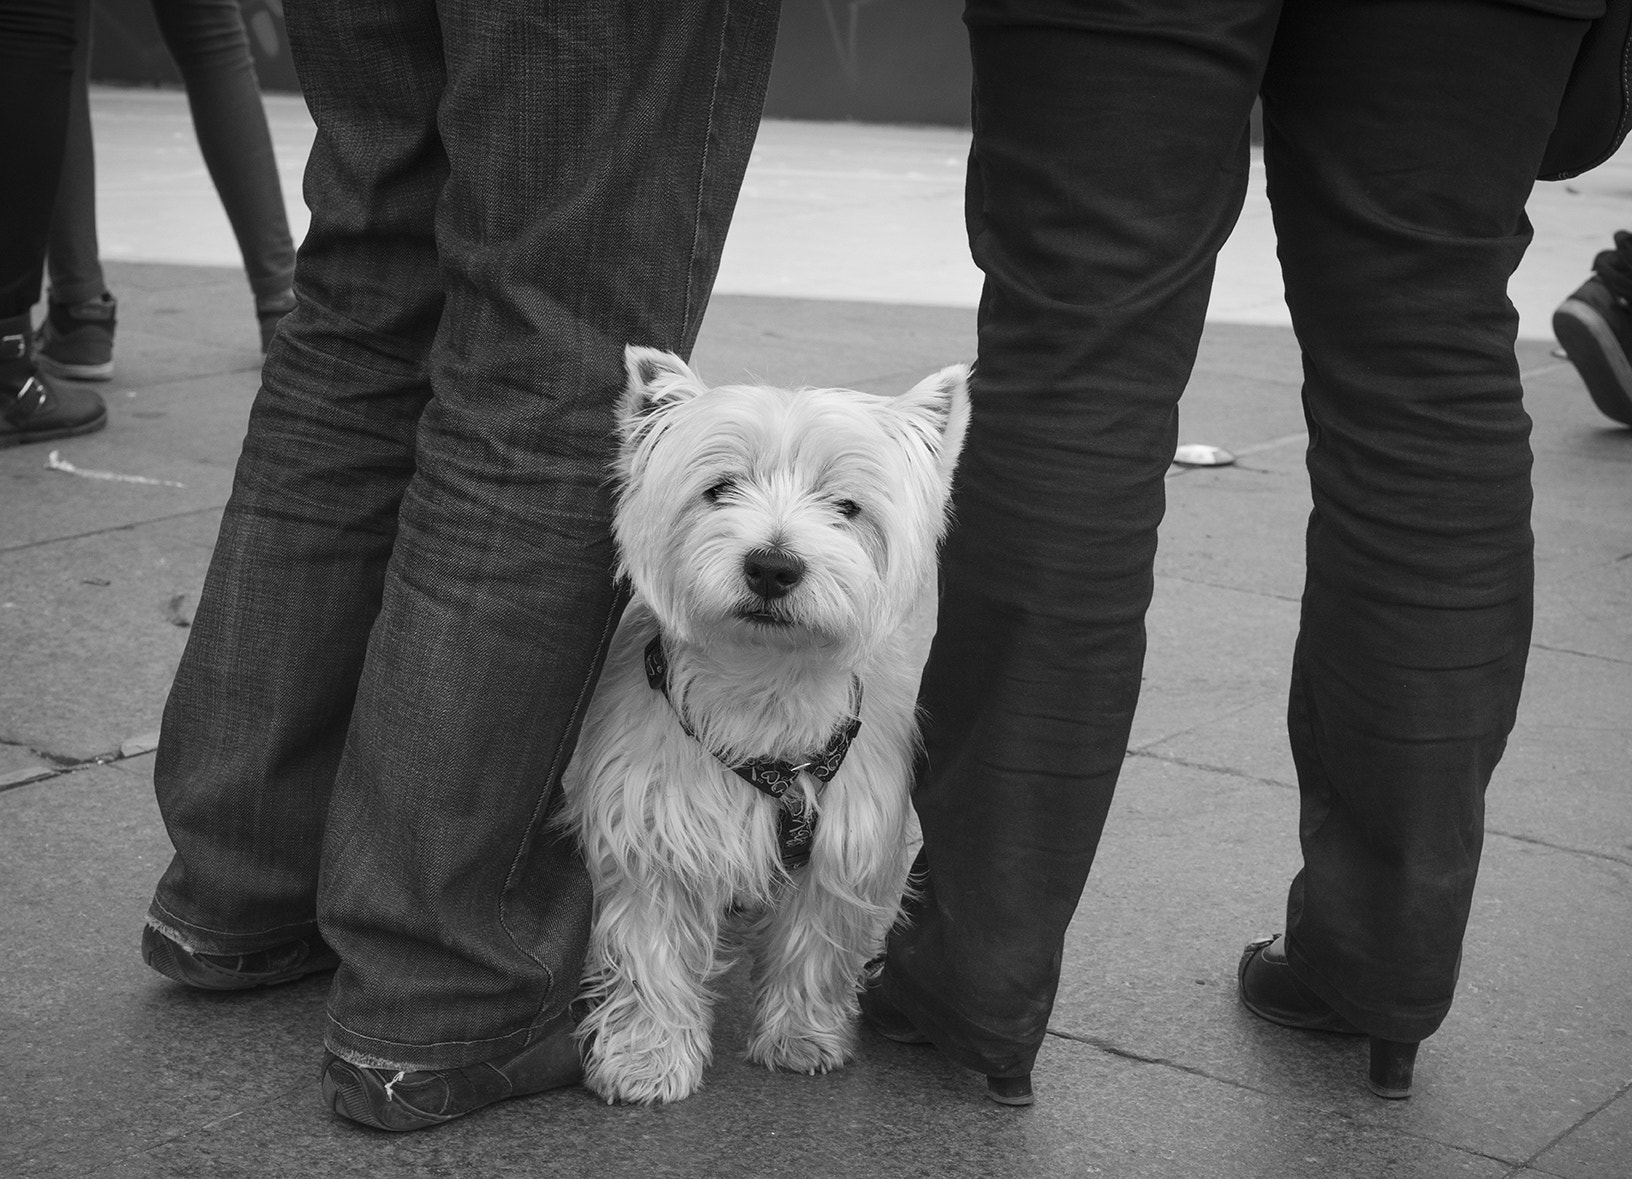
412,591
1109,164
210,46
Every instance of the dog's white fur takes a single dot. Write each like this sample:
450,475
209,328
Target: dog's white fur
856,486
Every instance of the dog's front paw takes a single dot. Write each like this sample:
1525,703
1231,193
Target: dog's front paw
801,1052
640,1061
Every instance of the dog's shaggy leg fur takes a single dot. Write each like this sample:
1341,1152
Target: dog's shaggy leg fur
651,958
808,957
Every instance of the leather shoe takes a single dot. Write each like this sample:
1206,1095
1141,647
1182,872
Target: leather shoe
282,963
1271,991
389,1099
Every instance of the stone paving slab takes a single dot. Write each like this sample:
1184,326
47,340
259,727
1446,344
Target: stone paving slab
99,625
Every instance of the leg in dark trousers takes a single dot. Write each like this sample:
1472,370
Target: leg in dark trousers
1107,169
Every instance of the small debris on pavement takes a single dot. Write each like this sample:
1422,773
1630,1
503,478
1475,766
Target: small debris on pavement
179,611
135,746
55,462
1200,454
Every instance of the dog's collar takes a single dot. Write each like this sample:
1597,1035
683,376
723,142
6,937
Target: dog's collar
796,827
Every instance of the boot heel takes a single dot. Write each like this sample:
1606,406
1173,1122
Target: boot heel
1391,1066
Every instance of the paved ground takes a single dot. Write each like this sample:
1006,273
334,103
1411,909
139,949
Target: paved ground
1152,1070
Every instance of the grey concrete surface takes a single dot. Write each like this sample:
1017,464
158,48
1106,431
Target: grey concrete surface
1152,1069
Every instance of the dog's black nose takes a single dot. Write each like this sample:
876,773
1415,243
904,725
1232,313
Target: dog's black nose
771,573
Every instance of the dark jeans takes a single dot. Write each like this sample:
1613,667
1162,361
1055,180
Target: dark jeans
1109,164
36,55
211,48
412,591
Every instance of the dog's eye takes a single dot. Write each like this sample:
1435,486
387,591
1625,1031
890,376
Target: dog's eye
848,508
723,487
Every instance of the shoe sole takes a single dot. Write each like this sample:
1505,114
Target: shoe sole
538,1069
23,438
350,1101
62,369
1593,348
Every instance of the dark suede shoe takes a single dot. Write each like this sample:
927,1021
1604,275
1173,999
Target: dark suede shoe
237,972
1271,991
385,1099
886,1019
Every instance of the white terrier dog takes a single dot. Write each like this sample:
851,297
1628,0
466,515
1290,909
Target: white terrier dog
748,753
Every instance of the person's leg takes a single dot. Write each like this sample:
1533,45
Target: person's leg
36,75
73,259
263,696
211,48
75,339
594,158
1109,163
1402,140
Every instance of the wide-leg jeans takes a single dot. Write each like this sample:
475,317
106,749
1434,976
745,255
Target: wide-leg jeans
412,590
1110,160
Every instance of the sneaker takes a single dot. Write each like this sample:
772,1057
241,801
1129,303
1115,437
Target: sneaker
33,408
237,972
390,1099
1595,327
76,341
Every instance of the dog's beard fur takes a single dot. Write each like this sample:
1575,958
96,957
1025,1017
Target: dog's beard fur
853,488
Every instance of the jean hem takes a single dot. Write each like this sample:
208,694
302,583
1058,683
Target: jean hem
198,939
372,1052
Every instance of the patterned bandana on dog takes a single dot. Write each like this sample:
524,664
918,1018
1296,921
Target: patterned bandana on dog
796,825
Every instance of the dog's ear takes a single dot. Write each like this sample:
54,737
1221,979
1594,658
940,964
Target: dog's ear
936,411
655,379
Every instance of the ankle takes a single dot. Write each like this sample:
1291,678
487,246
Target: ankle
16,354
66,317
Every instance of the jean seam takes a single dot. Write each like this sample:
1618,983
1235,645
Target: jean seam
698,217
552,780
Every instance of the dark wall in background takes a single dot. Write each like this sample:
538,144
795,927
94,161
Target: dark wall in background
877,61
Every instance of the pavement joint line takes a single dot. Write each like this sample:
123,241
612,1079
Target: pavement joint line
130,527
1611,857
1219,585
63,766
1365,1118
1583,654
1227,771
1530,1163
1196,728
1145,751
1163,1061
